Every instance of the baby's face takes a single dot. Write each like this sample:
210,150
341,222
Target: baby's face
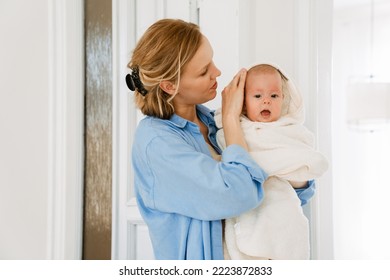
263,97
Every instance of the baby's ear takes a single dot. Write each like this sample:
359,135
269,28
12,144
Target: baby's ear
168,87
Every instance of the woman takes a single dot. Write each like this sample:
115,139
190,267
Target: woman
183,187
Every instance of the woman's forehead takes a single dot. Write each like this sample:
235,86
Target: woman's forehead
203,56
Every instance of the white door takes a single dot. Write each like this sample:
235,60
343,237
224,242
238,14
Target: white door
130,238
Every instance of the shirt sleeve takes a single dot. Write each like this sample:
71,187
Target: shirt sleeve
306,193
191,183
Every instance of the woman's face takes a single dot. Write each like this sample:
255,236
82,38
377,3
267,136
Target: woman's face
198,82
263,97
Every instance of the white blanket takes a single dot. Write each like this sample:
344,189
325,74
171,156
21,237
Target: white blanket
277,229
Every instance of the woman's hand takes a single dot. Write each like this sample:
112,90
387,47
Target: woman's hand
233,96
232,103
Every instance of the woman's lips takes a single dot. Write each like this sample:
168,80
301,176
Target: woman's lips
215,86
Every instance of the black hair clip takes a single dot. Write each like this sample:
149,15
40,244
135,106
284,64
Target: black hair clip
133,82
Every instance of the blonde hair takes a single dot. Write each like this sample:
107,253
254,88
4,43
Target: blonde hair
161,54
269,69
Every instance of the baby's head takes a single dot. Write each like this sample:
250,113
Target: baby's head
264,93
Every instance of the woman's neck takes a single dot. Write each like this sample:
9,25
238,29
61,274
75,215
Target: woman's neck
187,112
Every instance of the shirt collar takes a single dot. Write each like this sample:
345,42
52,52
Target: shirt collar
204,113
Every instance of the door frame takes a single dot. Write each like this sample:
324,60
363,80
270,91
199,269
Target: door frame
66,129
124,117
314,69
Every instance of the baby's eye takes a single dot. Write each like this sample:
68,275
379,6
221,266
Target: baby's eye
275,95
257,96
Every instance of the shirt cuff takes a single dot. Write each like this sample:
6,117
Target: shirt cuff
237,154
306,193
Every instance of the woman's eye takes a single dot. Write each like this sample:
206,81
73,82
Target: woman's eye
204,73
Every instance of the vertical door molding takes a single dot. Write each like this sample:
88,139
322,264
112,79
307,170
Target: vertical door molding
66,122
124,123
312,70
323,18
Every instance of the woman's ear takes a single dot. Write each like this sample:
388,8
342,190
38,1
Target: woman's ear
168,87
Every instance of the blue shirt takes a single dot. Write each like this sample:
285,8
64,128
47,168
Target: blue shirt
183,193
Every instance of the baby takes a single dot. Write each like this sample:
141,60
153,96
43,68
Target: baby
272,122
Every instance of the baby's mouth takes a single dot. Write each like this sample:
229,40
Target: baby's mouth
265,113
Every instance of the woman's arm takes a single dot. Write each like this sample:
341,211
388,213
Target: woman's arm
171,176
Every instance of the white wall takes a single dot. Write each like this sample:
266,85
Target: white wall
361,158
24,110
274,34
41,97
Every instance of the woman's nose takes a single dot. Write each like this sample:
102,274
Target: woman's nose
216,72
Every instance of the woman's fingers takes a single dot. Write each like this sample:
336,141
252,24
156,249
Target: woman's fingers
233,95
241,81
232,103
238,79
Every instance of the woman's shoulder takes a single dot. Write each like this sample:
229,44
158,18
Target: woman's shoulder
153,126
150,128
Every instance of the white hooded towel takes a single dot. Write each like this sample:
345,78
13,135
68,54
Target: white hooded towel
277,229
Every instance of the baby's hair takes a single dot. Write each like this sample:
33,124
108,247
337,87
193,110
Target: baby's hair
266,68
